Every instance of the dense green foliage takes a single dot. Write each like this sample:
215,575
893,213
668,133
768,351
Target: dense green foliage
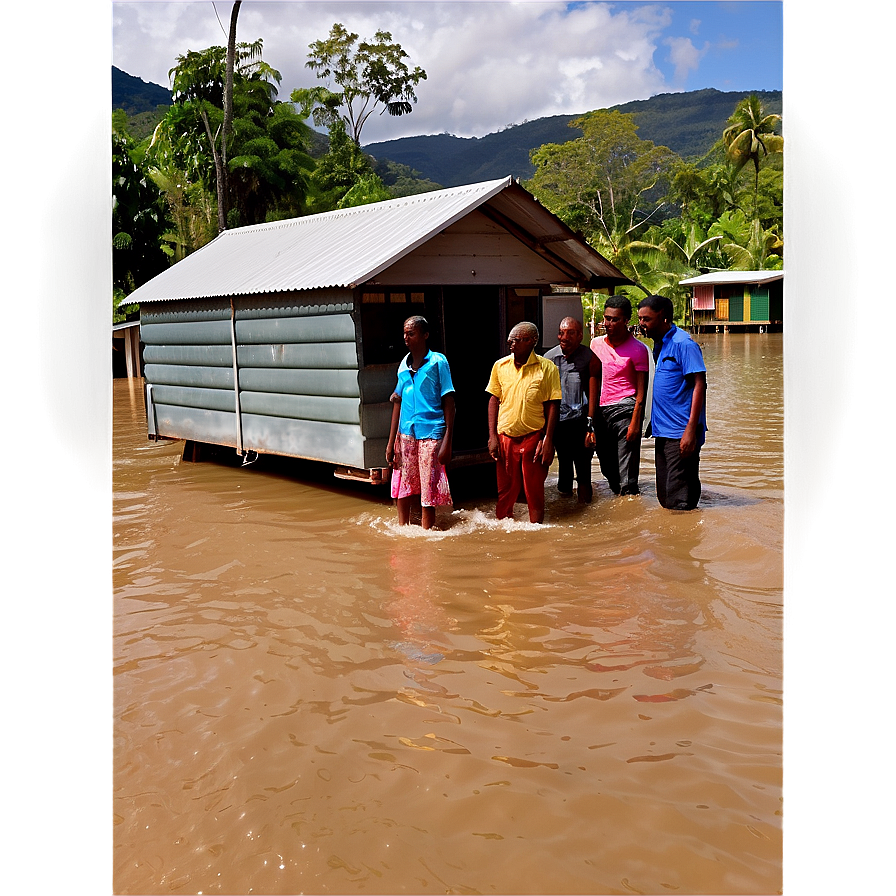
138,224
270,168
401,180
690,123
751,137
267,160
608,183
341,168
661,219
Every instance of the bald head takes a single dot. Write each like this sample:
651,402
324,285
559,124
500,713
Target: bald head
569,335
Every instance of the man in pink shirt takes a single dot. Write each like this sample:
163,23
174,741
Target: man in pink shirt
623,395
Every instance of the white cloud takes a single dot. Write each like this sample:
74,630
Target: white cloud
488,63
684,56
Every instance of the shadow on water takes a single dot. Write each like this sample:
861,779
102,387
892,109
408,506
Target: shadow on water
468,483
721,499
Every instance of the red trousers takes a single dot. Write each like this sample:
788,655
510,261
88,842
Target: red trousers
518,469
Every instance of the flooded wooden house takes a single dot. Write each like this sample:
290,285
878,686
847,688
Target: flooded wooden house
284,338
737,300
126,355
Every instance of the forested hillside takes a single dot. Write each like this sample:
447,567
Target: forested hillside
135,95
687,123
452,161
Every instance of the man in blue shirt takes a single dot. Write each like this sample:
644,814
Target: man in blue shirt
422,427
678,411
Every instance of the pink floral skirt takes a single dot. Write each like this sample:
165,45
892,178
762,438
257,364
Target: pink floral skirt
419,472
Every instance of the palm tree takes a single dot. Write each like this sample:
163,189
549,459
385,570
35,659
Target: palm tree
203,82
229,63
747,246
750,135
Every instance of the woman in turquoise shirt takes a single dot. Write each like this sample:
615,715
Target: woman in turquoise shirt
422,427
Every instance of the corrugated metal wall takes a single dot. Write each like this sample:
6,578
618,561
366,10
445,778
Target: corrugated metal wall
299,390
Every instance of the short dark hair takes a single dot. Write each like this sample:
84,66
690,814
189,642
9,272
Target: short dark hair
661,305
419,323
620,302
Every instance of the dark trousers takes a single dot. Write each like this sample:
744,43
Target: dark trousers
620,460
572,455
677,477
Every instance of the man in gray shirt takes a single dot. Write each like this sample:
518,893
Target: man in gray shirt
579,371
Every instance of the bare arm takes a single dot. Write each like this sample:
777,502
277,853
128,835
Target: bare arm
448,408
636,427
595,374
494,446
545,449
698,399
392,458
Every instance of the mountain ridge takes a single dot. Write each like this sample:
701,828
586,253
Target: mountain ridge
689,123
135,95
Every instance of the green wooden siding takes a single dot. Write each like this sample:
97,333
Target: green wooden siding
759,303
736,304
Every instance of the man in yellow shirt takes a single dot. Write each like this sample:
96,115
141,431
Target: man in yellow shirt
522,414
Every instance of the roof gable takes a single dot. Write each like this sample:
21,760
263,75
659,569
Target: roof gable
345,248
729,278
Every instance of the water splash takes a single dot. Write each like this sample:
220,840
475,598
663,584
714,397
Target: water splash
457,523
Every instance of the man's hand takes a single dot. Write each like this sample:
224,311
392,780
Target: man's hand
544,451
444,451
688,443
494,447
393,457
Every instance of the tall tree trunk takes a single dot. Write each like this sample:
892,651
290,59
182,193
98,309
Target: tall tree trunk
228,114
220,169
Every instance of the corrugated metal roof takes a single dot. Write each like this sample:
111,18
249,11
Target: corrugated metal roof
724,278
347,247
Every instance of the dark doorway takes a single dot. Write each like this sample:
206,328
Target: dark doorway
473,342
524,304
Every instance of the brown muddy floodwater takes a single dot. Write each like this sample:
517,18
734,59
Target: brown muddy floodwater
310,700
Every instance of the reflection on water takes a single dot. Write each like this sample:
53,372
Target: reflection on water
309,698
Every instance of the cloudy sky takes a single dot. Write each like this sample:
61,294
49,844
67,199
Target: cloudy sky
489,63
